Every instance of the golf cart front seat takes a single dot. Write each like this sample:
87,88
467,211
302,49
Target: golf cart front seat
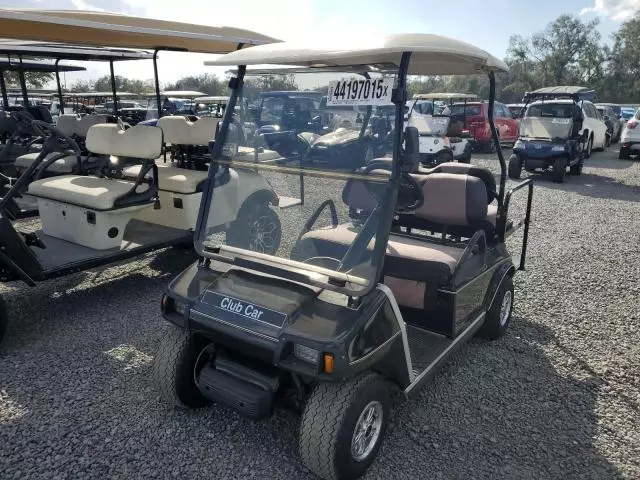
93,211
412,263
74,126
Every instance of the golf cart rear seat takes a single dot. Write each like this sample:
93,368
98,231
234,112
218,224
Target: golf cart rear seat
179,130
92,211
72,125
412,263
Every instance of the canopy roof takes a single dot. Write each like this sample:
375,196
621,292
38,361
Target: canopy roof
563,91
28,48
445,96
7,64
99,94
100,29
212,99
431,54
182,93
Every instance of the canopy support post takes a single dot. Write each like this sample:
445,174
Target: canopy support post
23,85
496,138
157,81
59,85
3,87
113,89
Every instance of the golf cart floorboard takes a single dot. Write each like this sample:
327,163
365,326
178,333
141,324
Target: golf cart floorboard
61,254
425,347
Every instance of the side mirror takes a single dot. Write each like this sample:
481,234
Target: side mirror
411,154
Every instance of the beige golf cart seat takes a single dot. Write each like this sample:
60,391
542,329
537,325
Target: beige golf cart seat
74,126
179,130
93,211
414,267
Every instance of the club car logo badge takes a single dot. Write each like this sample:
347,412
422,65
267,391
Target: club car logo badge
226,305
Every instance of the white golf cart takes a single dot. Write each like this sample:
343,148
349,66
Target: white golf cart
387,269
94,220
443,133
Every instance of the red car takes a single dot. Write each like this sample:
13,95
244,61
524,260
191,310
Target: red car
476,120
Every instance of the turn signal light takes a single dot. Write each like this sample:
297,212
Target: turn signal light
328,363
164,303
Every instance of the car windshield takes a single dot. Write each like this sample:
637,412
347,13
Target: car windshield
545,128
555,110
295,193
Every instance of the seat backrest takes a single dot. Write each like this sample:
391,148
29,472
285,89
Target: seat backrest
179,130
475,171
452,199
67,123
140,141
74,124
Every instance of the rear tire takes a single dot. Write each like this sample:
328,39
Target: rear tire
173,368
499,314
515,167
334,415
559,169
256,228
587,153
624,154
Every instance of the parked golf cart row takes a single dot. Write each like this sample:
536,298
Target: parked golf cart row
383,274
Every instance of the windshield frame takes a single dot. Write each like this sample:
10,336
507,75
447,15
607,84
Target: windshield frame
290,269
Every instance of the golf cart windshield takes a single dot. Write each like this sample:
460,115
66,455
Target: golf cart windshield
547,128
295,173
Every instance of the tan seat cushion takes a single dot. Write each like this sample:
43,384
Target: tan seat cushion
141,141
406,257
90,192
63,165
179,130
172,179
492,214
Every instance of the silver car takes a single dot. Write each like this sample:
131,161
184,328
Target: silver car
630,138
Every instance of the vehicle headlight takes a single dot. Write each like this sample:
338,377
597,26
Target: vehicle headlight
518,144
306,354
557,148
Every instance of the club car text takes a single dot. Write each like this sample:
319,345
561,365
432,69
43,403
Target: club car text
241,308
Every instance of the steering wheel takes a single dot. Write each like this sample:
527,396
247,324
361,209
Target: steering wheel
410,194
23,122
55,140
322,261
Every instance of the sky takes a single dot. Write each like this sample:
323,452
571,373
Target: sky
487,24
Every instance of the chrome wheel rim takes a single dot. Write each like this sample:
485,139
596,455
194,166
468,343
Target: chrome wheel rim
367,431
505,308
262,235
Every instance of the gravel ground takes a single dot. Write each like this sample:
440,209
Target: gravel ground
557,397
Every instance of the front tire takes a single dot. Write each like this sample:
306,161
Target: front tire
174,368
559,169
515,167
343,425
256,228
499,314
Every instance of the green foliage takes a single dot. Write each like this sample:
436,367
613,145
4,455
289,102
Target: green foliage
33,79
205,83
123,84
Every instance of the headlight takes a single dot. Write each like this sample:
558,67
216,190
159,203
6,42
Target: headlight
306,354
518,144
179,306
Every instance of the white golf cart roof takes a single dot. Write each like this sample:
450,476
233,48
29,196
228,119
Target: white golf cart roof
445,96
212,99
431,55
98,94
39,49
101,29
182,94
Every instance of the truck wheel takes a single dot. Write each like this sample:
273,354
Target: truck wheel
256,228
173,368
499,314
4,319
559,169
515,167
624,154
343,425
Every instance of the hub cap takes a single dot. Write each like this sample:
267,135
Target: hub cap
367,431
505,308
263,235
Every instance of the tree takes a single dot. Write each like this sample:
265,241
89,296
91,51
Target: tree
33,79
123,84
622,79
81,85
205,83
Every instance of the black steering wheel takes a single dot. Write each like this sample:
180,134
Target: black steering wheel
410,194
23,121
54,139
